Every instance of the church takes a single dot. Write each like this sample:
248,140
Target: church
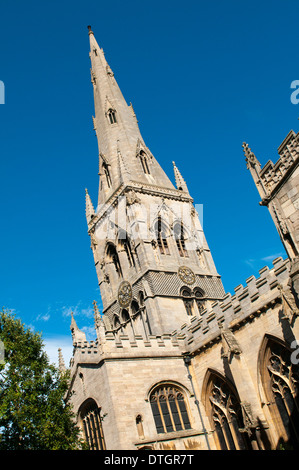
178,363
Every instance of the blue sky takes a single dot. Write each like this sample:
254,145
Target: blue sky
202,76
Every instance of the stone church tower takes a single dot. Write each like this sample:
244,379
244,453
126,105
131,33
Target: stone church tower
177,363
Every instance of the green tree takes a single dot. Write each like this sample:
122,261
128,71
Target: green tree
33,413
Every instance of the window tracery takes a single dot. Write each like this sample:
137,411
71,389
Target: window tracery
281,383
169,409
92,426
226,415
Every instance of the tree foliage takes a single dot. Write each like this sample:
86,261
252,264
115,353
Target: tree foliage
33,413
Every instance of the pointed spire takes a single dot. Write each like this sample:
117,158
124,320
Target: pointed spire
99,323
89,209
117,128
97,315
124,174
250,158
61,364
179,180
77,334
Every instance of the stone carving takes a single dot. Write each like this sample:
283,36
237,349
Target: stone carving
132,198
250,422
229,343
289,306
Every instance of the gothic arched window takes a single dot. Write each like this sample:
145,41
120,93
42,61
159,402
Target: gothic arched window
161,237
193,299
225,414
280,378
144,162
116,321
134,307
180,238
125,316
199,294
169,409
107,174
111,116
188,300
112,257
91,422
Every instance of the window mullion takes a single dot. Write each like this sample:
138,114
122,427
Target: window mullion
161,414
179,411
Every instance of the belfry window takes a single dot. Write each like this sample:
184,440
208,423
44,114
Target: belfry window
169,409
161,237
188,301
199,294
112,257
125,316
192,299
179,236
111,116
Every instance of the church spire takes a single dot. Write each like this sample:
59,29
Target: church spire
77,334
254,166
179,180
89,209
124,157
61,364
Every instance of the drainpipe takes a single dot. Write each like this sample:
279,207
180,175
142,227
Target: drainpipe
187,361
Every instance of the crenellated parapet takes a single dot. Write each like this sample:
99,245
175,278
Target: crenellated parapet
249,301
270,177
273,174
123,346
278,186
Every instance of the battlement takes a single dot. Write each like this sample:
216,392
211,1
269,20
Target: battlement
272,174
248,301
124,345
233,310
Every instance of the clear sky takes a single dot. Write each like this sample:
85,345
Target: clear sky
203,77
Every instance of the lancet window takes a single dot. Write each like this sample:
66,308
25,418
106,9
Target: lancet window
107,174
188,301
199,299
112,256
193,299
169,409
161,237
180,238
144,162
92,425
111,116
